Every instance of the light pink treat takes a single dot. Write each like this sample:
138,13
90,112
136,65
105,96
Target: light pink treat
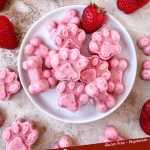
71,95
105,43
117,67
49,74
20,135
68,64
9,84
66,36
144,44
62,142
34,67
1,120
94,69
97,90
110,135
145,72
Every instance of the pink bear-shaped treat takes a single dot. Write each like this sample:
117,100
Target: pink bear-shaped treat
110,135
9,84
115,83
34,67
105,43
143,43
97,90
20,135
145,72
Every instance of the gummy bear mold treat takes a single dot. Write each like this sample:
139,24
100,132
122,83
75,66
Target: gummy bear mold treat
110,135
143,43
38,82
68,64
62,142
71,95
66,36
9,84
20,135
117,67
145,72
105,43
1,119
94,69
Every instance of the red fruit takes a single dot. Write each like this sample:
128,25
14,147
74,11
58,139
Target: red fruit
7,34
2,3
146,110
130,6
93,18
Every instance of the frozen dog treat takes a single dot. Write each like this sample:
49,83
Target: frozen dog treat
94,69
34,67
115,83
105,43
66,36
62,142
145,72
1,120
49,74
9,84
71,95
20,135
144,44
110,135
68,64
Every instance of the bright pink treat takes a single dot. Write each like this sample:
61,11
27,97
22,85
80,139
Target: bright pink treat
110,135
49,74
38,82
20,135
97,90
71,95
94,69
66,36
68,64
1,120
145,72
144,44
9,84
105,43
115,83
62,142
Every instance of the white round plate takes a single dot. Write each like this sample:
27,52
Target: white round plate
47,101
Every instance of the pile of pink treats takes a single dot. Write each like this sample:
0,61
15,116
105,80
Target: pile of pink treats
79,78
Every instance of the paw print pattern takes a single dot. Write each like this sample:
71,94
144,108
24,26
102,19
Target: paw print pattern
20,135
67,36
145,72
110,135
71,95
68,64
94,69
105,43
9,84
144,44
34,67
117,67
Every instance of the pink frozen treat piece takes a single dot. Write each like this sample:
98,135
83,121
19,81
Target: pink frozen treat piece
145,72
68,64
1,120
67,36
117,67
71,95
9,84
34,67
94,69
110,135
49,74
105,43
143,43
20,135
62,142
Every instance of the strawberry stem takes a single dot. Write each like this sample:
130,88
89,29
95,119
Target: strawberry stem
99,9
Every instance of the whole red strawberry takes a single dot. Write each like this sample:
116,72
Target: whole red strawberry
93,18
130,6
7,34
2,3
